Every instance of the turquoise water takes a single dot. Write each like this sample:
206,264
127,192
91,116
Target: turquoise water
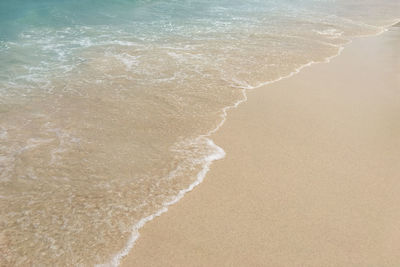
107,107
38,37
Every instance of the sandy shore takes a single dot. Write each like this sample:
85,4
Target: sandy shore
311,176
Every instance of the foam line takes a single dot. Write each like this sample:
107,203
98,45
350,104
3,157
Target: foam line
220,153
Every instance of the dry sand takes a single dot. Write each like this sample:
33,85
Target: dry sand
311,176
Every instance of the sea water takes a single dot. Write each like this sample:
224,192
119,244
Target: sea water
107,107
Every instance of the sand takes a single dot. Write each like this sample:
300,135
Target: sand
311,176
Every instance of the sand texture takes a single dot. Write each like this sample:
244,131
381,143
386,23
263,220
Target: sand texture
311,176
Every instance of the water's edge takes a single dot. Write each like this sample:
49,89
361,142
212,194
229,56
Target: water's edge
220,153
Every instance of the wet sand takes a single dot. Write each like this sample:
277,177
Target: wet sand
311,176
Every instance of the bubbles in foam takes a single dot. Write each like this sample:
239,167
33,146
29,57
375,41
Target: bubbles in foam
104,126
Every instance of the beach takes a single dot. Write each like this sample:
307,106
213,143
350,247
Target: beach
310,177
199,133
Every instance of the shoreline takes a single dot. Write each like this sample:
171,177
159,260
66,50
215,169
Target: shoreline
112,113
135,235
221,154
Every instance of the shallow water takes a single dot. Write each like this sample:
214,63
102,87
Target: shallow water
106,108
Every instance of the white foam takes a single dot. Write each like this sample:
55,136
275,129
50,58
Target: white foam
123,43
128,60
331,33
219,153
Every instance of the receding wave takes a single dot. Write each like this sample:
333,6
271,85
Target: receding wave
106,110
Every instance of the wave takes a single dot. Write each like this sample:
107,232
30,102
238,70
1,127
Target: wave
218,152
